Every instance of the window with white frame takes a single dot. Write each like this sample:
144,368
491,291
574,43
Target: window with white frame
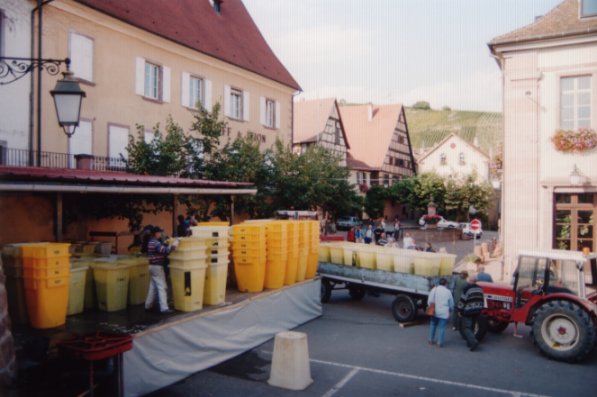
148,136
270,112
236,103
118,139
443,159
588,8
81,56
195,92
462,158
152,80
575,102
81,142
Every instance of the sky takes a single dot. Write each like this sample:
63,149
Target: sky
394,51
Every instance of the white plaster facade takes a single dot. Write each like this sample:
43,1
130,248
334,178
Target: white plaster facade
15,41
536,176
455,157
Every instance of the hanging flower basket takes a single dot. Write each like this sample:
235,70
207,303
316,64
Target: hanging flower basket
575,141
432,219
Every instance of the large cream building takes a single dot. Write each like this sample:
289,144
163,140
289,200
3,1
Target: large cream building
549,71
140,61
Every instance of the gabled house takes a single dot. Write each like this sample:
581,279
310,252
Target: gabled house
141,60
455,157
380,149
317,122
549,69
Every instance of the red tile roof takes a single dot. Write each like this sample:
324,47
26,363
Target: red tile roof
30,174
562,21
231,35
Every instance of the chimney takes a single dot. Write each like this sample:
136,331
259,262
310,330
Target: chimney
370,112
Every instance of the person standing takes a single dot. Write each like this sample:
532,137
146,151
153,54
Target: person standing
408,242
470,306
158,253
369,235
441,297
459,285
396,229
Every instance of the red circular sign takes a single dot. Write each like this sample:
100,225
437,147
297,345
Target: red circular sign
475,225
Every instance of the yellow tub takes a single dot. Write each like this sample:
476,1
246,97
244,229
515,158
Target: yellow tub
214,292
426,264
446,265
402,261
324,253
111,285
367,257
187,287
384,259
76,293
337,253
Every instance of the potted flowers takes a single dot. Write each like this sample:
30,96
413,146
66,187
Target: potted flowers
578,140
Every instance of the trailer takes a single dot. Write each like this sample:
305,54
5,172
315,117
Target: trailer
411,290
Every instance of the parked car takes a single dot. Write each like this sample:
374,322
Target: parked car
346,222
442,223
467,231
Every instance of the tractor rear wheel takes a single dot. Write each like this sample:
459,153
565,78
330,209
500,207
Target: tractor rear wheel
564,331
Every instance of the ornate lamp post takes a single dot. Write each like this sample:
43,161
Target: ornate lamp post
67,98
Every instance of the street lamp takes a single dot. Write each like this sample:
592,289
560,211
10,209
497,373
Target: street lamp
67,98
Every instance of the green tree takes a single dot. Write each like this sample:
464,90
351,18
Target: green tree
421,105
375,201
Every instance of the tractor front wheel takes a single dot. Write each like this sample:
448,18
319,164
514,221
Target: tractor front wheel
563,331
496,326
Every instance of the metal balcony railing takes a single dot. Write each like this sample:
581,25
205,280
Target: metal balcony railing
29,158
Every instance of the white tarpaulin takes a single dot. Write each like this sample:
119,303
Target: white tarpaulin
166,354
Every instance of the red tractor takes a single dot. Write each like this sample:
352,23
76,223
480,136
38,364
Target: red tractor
555,293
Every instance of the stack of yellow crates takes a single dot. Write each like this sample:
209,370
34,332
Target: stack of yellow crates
187,272
276,254
216,237
249,256
46,273
312,256
293,251
304,247
12,260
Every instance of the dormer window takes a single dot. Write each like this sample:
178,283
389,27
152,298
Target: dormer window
217,5
588,8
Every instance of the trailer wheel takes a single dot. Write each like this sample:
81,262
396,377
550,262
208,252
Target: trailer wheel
404,309
326,290
356,292
496,326
563,331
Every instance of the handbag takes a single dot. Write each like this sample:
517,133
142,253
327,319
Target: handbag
430,311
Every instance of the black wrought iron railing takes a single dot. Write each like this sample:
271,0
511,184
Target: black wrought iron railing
30,158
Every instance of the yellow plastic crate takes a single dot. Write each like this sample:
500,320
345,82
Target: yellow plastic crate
76,294
191,243
217,260
311,265
49,271
248,229
366,258
446,265
47,301
111,285
188,262
291,270
324,253
426,264
301,271
403,261
45,250
42,263
214,292
250,275
210,232
217,251
260,244
250,251
350,257
187,287
188,254
384,259
337,254
275,271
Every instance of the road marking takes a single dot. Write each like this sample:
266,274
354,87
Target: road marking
355,369
423,378
340,384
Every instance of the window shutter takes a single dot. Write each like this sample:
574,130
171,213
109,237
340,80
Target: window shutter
81,55
277,115
140,77
246,105
227,100
184,89
166,72
207,95
262,110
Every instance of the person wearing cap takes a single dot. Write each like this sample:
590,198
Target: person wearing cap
158,254
470,307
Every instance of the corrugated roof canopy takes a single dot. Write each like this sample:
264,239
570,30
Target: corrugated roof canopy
75,180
